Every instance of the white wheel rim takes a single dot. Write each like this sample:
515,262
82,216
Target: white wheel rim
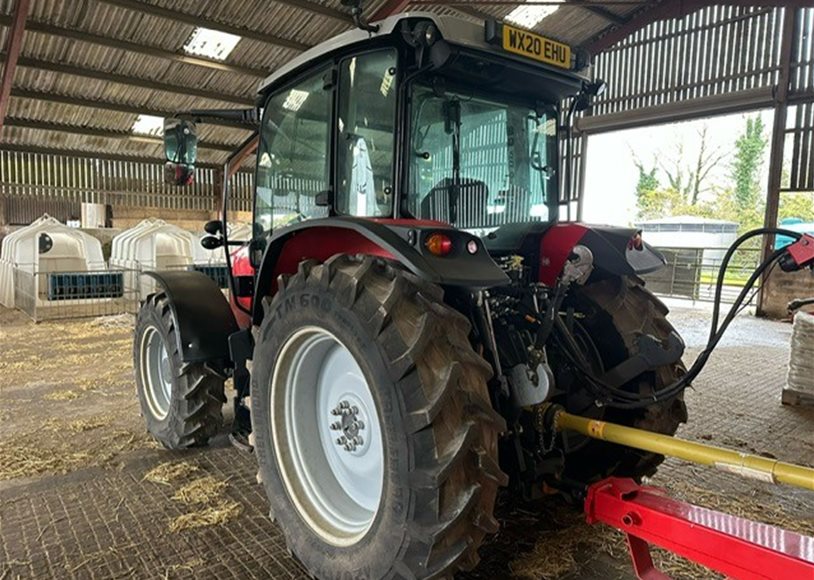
156,372
327,436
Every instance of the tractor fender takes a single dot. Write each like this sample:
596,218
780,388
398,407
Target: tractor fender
396,239
202,316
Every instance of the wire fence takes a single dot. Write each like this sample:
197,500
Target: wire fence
692,273
52,295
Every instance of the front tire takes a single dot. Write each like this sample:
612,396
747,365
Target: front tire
358,334
181,402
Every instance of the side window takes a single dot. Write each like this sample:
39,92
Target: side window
293,164
365,149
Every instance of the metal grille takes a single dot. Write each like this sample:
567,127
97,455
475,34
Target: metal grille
799,141
717,50
62,295
802,66
799,148
693,272
241,190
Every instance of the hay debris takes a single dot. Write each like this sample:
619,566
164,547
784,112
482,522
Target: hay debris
200,491
214,515
188,566
67,395
78,425
24,459
168,472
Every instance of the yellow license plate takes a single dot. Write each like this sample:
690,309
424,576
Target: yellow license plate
534,46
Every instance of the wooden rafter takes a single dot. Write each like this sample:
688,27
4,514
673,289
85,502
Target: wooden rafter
15,43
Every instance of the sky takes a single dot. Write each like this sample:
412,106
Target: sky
611,174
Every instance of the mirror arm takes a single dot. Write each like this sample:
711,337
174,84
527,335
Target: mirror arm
228,170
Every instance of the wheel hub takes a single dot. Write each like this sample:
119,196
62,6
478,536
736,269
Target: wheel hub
350,425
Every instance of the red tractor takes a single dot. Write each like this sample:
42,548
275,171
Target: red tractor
409,303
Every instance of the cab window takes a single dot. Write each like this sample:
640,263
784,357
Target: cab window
293,161
365,127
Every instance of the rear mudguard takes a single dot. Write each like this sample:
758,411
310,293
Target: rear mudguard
203,319
468,264
546,248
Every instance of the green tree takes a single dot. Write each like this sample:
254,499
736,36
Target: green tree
750,149
796,205
648,203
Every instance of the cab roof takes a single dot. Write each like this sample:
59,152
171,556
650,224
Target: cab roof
456,31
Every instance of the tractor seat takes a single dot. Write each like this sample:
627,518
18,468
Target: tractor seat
472,201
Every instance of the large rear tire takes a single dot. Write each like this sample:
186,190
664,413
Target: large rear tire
180,402
356,341
617,311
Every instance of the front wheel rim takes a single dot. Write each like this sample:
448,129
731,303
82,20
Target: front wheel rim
327,436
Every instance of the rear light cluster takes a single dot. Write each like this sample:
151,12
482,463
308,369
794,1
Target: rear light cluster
438,244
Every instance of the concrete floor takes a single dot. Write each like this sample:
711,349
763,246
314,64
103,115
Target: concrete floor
74,502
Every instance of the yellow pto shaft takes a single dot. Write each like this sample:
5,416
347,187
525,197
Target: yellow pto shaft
754,466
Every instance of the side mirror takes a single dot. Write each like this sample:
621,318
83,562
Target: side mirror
180,150
588,93
211,242
213,227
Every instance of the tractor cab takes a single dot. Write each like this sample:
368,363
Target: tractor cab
427,118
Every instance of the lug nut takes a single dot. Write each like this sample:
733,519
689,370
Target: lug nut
335,411
360,425
336,426
344,405
358,440
355,409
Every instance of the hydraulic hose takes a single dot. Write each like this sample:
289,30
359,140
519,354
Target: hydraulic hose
619,398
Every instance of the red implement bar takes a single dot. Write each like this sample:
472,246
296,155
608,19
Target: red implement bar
734,546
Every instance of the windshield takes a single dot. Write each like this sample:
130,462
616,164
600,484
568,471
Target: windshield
479,162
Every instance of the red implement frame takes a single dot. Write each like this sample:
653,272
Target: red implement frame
731,545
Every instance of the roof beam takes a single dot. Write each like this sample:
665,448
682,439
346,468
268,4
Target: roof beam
112,106
14,43
126,45
193,20
389,8
665,10
105,133
110,77
318,9
606,14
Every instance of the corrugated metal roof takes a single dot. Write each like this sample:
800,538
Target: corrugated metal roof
285,19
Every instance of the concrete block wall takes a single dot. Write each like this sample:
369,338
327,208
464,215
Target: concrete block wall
782,288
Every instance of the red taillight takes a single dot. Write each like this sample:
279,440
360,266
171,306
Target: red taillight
438,244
